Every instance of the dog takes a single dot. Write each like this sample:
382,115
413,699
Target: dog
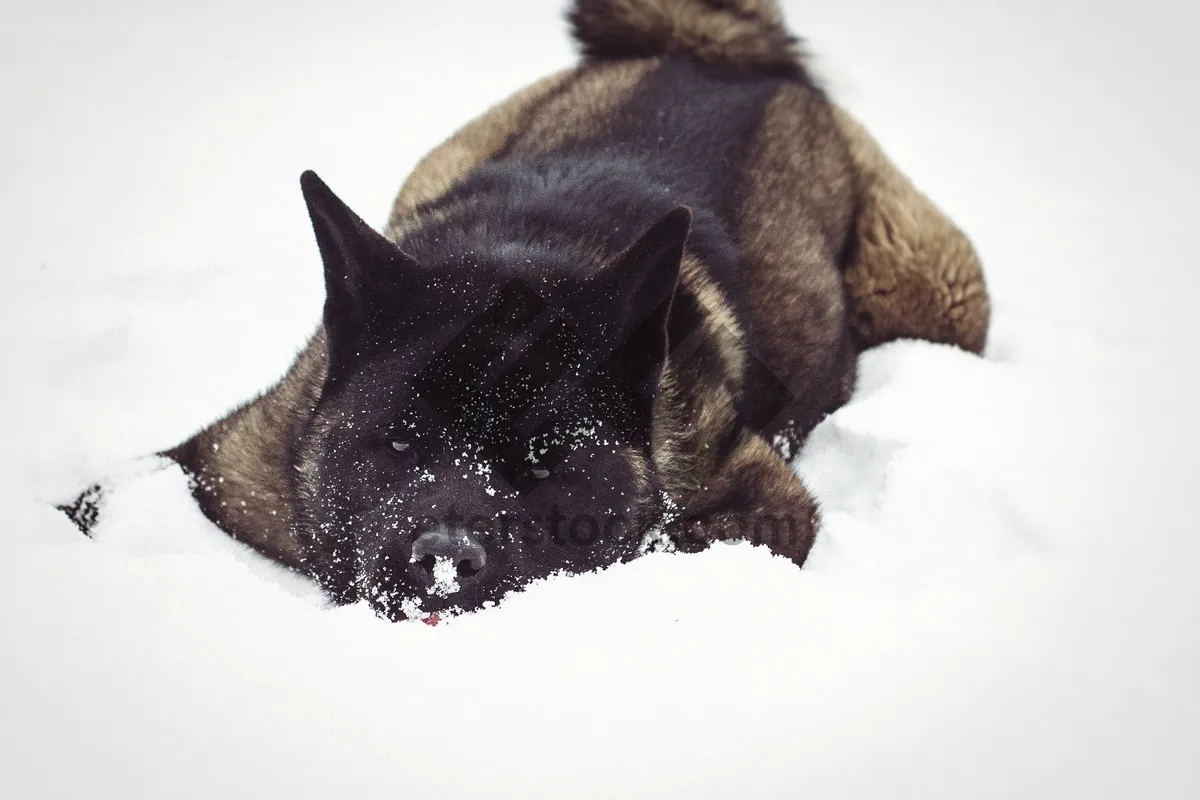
601,319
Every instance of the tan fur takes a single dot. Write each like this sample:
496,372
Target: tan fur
584,106
753,489
720,326
306,480
913,274
246,473
672,439
639,465
798,204
696,404
748,34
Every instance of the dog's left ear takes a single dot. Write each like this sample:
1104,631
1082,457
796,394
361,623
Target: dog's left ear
363,271
637,290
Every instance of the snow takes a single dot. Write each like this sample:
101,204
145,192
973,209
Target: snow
445,577
1002,601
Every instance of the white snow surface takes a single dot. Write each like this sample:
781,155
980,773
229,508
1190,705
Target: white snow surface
1002,601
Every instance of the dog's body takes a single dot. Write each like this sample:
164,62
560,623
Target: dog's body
677,248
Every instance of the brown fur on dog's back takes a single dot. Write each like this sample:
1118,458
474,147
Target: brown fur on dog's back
582,107
912,273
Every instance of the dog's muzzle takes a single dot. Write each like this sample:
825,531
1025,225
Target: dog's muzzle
447,560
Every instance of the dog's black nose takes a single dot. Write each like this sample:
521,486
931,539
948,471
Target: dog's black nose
462,550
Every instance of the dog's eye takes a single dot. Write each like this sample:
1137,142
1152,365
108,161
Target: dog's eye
541,473
402,448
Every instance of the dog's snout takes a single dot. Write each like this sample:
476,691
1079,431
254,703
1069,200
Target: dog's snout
461,549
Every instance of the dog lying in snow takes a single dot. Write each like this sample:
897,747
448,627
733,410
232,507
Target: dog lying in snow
601,319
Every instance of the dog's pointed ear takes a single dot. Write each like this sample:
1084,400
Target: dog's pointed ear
638,289
363,270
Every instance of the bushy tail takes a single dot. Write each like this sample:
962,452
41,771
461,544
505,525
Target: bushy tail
748,34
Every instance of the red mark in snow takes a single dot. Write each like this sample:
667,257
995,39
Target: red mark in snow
431,620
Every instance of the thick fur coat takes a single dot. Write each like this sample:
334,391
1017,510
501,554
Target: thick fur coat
602,317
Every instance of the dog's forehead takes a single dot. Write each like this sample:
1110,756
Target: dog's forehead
482,302
471,333
542,276
440,297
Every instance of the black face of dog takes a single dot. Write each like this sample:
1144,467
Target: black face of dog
485,419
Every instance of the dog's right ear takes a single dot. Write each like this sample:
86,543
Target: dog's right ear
364,273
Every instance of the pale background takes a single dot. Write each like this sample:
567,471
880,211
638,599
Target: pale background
1003,603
